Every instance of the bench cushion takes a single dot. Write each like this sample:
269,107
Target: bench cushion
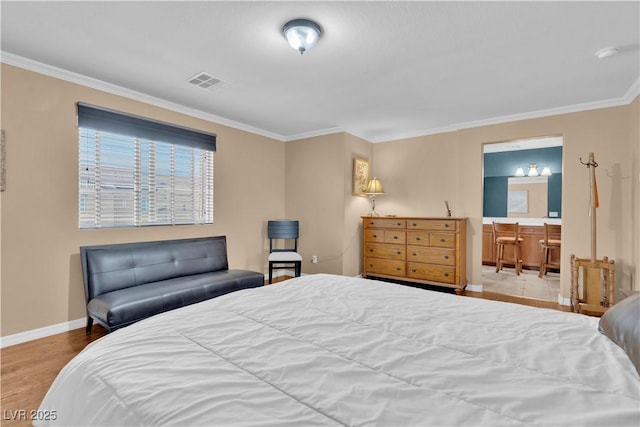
125,306
112,267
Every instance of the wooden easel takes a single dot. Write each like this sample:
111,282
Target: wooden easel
598,276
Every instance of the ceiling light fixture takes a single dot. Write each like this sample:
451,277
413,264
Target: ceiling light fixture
301,34
607,52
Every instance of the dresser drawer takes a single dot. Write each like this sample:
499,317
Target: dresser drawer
393,236
385,266
418,238
442,240
374,236
439,256
432,224
432,273
380,250
384,223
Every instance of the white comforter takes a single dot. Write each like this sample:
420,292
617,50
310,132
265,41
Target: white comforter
331,350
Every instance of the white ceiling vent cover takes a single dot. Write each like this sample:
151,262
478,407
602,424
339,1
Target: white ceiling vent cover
204,80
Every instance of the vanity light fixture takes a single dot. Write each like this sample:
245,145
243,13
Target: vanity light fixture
301,34
546,171
519,172
533,170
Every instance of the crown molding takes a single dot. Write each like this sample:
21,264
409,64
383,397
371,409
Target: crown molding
633,92
314,133
626,99
69,76
51,71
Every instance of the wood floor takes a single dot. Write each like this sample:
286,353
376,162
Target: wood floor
28,369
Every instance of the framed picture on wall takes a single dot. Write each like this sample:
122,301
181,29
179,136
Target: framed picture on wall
517,201
360,176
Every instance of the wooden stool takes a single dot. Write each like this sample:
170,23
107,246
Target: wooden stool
548,243
507,234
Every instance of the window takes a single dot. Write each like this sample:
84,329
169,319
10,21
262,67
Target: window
137,172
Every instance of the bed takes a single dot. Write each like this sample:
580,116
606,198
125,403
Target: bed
331,350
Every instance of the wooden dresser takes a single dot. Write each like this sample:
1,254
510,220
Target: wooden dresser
416,249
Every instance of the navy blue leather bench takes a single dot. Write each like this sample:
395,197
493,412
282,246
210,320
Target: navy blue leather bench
128,282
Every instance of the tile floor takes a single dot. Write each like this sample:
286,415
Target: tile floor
528,284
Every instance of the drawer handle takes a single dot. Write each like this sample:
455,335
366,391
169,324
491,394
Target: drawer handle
446,224
398,268
398,253
442,240
446,257
398,224
415,254
417,238
371,265
446,274
413,270
395,237
371,223
414,224
375,235
370,249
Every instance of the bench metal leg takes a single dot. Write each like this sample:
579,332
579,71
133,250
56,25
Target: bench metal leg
89,325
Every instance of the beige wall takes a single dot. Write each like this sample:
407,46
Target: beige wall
314,196
257,179
634,148
419,173
41,275
355,206
319,195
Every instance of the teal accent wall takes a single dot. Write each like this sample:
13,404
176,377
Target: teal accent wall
495,196
498,167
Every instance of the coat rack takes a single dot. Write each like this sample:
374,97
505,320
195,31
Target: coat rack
598,277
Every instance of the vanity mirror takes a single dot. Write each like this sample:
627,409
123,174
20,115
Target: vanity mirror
523,179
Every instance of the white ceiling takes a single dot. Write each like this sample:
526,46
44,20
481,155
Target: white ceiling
381,70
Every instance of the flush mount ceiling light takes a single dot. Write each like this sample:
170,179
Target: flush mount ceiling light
301,34
607,52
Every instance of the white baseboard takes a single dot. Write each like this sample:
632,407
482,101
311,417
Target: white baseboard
46,331
473,288
35,334
280,273
564,301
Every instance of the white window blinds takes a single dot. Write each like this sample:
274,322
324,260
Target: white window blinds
127,180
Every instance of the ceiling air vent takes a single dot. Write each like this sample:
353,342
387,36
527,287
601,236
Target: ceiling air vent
203,80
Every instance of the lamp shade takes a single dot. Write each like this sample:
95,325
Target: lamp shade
374,187
533,170
546,171
519,172
301,34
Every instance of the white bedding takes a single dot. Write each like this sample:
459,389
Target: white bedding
331,350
